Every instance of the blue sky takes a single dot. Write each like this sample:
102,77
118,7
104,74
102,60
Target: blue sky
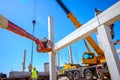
20,12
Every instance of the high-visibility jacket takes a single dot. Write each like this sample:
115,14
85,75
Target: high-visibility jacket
34,74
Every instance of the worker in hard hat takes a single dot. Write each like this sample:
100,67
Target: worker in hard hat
34,74
97,11
45,41
29,67
111,26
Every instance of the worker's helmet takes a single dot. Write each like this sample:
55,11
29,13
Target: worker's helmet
96,10
34,68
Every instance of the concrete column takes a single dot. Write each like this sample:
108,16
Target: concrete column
58,63
24,60
99,41
70,54
58,59
52,66
110,52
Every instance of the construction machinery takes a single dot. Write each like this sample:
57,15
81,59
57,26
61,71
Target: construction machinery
96,65
5,23
41,47
68,66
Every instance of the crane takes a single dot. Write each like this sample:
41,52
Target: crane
6,24
90,40
89,58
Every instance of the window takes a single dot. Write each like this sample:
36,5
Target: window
88,56
61,68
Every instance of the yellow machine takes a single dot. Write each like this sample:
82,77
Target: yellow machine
68,66
89,58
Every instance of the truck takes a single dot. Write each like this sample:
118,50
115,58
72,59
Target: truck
95,63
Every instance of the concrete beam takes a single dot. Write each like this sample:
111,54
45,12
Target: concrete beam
3,22
108,16
110,52
118,51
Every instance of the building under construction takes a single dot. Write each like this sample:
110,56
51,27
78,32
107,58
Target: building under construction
103,64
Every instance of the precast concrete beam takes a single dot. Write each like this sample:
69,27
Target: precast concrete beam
108,17
3,22
118,51
110,52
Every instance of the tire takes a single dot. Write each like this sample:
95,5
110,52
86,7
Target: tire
88,74
70,75
100,75
76,75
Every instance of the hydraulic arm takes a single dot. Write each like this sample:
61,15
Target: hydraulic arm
5,23
77,24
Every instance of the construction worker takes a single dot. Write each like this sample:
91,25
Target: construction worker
34,74
111,27
97,11
112,30
45,41
29,67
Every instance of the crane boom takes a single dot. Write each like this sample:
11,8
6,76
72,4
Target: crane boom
5,23
93,44
16,29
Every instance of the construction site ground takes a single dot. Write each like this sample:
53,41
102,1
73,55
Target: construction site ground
65,78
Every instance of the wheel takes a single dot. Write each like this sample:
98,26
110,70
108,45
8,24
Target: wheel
70,75
100,75
76,75
88,74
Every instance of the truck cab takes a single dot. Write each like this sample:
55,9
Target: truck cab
89,58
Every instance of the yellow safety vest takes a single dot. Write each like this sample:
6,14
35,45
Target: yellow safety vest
34,74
